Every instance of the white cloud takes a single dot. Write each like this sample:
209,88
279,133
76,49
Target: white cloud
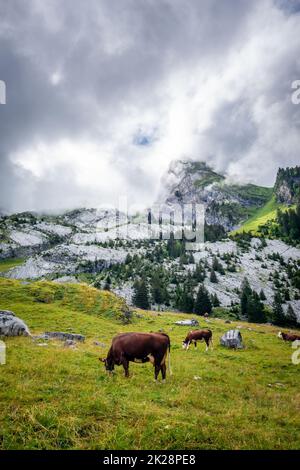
107,97
56,78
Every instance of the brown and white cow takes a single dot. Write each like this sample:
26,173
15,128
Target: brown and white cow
288,336
198,335
139,347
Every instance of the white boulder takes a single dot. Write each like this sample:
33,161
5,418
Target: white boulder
10,325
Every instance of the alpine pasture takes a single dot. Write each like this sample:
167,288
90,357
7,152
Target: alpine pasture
57,397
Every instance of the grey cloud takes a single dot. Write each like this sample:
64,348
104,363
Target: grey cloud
114,60
233,132
288,6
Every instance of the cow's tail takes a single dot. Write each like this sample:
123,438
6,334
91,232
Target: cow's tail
169,358
168,352
211,339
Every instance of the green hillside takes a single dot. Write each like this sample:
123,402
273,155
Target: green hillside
9,263
251,192
260,217
54,397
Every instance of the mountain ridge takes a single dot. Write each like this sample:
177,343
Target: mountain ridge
87,245
228,205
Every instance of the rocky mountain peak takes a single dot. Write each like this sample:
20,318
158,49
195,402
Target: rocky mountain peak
226,204
182,176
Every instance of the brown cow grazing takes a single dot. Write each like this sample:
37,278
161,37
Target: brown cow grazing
198,335
139,347
288,336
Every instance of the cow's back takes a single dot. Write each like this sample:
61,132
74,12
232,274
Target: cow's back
290,336
199,334
139,345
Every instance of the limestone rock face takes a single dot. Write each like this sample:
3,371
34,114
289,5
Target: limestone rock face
287,185
284,194
10,325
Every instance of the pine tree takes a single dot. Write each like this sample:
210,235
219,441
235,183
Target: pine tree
251,303
246,292
141,296
215,263
286,294
107,283
158,289
128,259
255,309
262,295
171,246
191,259
217,266
183,259
202,304
215,300
187,302
157,294
291,317
213,278
175,247
199,273
278,314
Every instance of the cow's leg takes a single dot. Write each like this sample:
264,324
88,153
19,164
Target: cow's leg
156,371
207,344
157,366
125,364
163,369
195,343
163,366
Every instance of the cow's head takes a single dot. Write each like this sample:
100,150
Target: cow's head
185,344
279,334
108,363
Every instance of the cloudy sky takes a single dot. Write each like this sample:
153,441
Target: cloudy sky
103,94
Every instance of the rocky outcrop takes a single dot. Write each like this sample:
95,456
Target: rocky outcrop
68,259
284,194
191,322
63,336
287,185
27,234
10,325
232,339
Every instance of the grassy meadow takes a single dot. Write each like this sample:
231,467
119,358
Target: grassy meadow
55,397
9,263
261,216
